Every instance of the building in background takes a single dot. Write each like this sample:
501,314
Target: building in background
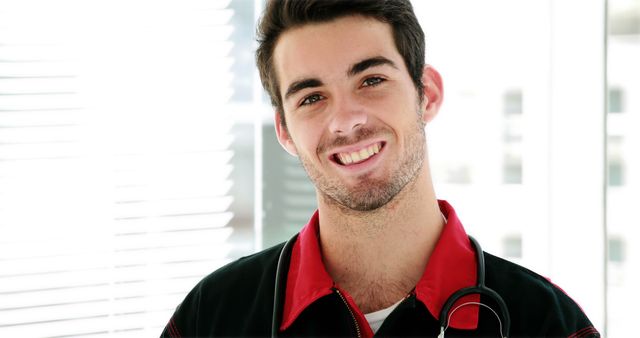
623,163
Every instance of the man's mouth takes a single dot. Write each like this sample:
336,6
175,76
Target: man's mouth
358,156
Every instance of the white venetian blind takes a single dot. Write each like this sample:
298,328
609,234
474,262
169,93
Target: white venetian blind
114,161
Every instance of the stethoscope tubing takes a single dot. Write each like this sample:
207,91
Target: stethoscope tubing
278,293
480,288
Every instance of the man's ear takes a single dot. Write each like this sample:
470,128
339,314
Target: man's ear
283,135
433,93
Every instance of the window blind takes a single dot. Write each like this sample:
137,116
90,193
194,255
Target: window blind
114,162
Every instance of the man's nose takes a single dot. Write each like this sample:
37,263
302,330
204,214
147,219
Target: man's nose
347,116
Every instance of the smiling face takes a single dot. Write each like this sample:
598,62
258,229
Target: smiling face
353,113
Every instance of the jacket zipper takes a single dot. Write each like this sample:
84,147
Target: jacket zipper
355,322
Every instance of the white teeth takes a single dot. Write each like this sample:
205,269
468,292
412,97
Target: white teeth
355,157
361,155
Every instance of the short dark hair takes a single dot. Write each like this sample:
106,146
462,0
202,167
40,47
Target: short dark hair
282,15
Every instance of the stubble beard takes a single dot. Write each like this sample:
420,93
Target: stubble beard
372,193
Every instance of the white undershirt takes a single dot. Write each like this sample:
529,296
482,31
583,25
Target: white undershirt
376,319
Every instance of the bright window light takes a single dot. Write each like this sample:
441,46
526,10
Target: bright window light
115,162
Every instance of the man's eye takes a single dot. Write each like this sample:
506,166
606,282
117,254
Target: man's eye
372,81
311,99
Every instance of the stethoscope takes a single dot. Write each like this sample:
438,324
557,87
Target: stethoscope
445,313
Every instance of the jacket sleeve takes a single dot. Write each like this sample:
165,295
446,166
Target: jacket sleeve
537,307
236,300
569,316
171,330
184,321
587,332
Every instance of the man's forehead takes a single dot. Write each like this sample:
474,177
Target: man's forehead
331,47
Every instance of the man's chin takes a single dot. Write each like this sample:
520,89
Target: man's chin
366,206
364,201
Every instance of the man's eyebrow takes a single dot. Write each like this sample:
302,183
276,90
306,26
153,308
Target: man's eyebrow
368,63
300,85
354,70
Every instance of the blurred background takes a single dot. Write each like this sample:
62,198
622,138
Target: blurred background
138,154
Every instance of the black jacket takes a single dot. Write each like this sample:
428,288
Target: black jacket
237,301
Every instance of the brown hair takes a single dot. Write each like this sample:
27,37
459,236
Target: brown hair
281,15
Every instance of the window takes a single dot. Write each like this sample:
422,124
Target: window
623,51
512,169
512,246
616,100
513,102
114,162
616,250
512,158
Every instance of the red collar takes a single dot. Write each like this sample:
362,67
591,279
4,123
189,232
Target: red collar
452,266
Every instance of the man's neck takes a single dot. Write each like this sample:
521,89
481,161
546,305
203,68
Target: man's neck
379,256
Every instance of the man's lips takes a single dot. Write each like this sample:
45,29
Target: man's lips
358,155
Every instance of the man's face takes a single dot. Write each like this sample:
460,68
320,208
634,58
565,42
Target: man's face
352,111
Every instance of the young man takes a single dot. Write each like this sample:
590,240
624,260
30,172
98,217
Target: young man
381,255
